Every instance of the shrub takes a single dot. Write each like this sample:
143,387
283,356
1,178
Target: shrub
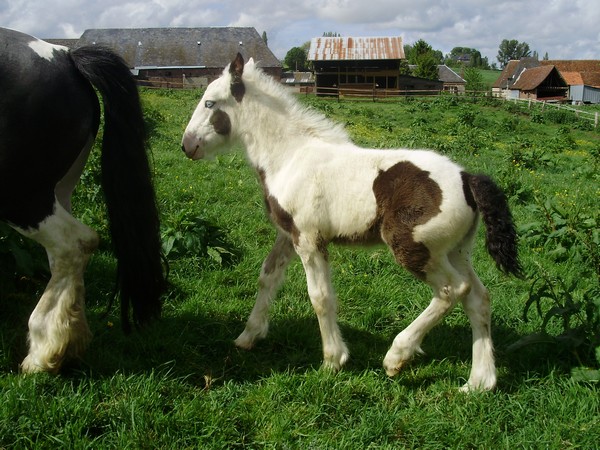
187,235
569,237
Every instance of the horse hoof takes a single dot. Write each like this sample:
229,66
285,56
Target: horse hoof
29,366
469,387
392,371
244,342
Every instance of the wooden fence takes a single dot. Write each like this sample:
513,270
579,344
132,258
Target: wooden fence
585,115
376,94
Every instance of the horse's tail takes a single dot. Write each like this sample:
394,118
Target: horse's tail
501,236
127,185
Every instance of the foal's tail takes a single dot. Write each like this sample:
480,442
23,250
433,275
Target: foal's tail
127,185
501,236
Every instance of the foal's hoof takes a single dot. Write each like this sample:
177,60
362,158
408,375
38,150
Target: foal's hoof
335,364
392,371
244,344
481,386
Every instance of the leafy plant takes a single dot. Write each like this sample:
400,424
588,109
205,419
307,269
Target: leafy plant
574,307
569,237
189,235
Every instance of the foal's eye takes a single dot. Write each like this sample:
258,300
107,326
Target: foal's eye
209,104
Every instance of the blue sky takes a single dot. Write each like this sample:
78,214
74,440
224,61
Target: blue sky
565,29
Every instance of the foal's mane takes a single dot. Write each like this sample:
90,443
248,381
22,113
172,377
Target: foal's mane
307,121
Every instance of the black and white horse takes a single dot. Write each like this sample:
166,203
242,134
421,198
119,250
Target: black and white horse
320,188
49,117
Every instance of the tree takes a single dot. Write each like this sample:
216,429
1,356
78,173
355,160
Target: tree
474,79
295,59
404,67
427,67
474,58
512,49
264,38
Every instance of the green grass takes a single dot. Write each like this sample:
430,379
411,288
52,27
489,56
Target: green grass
490,76
182,383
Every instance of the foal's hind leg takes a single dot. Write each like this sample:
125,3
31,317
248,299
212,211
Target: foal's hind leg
477,307
448,286
271,277
324,302
57,326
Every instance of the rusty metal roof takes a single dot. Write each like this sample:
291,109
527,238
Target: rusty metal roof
355,48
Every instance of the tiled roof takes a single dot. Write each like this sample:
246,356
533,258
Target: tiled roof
355,48
212,47
530,79
572,78
573,65
512,70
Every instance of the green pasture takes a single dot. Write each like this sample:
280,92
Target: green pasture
181,383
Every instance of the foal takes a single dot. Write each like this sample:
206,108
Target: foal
320,188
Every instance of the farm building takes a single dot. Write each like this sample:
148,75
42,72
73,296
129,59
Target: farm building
509,75
582,76
540,83
183,56
451,81
348,63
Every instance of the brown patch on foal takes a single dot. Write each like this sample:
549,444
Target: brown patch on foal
220,122
278,215
406,197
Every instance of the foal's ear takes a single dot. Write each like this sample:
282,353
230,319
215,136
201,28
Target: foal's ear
236,68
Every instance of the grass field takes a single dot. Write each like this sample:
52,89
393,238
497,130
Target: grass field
181,383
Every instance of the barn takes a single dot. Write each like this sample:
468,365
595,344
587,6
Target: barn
176,57
540,83
351,63
510,73
582,76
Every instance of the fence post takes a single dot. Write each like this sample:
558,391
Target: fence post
596,120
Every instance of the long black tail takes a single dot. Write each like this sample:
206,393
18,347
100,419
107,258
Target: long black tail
127,185
501,236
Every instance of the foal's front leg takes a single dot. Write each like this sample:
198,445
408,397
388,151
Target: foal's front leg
271,277
324,302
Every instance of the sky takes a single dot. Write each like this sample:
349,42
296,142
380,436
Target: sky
564,29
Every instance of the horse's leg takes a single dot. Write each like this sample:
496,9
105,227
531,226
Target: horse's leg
324,302
477,307
270,279
57,326
448,286
64,188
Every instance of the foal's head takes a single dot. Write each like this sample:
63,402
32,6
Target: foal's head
210,130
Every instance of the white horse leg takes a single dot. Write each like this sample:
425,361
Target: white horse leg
448,286
57,326
271,276
324,302
477,308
